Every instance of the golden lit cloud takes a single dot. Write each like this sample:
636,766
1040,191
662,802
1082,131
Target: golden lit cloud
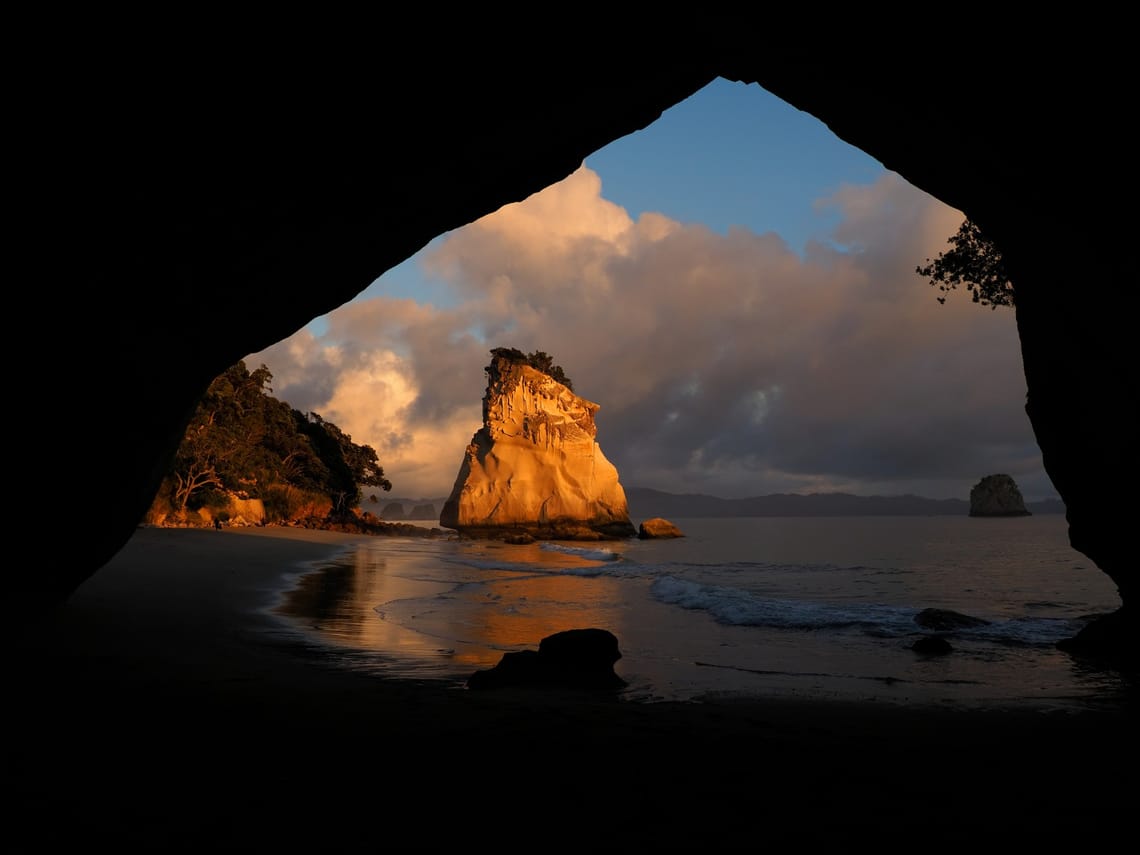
723,363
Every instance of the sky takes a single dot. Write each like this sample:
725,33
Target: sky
733,285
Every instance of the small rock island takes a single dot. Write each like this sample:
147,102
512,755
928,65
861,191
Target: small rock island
535,468
997,496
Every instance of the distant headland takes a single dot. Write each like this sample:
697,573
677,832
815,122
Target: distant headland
645,503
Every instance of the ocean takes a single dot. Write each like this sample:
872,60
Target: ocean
809,607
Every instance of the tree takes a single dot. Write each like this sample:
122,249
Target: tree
536,359
243,442
349,466
216,448
544,362
974,262
195,466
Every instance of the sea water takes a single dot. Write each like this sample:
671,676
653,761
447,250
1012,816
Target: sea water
742,607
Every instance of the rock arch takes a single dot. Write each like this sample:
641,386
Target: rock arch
172,220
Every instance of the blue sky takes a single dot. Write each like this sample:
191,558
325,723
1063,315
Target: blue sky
732,155
733,285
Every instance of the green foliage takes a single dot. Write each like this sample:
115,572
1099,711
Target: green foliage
283,501
537,359
243,442
286,502
348,466
973,262
213,499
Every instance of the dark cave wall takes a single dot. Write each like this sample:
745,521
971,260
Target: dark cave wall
1012,144
196,229
182,232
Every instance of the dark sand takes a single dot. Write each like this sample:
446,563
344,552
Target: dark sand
152,713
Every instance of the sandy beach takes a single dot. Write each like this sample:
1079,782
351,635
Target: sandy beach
153,713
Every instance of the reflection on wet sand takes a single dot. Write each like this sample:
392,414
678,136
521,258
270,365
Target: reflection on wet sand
455,607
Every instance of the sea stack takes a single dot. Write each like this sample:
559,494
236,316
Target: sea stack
535,467
997,496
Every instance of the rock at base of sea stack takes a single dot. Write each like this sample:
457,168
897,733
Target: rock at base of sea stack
658,528
535,468
997,496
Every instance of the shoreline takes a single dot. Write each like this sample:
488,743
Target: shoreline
154,710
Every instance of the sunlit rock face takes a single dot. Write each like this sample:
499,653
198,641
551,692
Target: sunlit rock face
536,466
658,528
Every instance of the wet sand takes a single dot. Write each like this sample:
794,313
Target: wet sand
153,712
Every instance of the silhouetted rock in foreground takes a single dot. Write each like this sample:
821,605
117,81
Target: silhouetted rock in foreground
575,659
1111,638
932,645
945,619
997,496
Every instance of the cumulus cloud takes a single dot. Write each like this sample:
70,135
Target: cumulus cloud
723,363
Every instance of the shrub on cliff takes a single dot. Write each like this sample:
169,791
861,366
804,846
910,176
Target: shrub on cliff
536,359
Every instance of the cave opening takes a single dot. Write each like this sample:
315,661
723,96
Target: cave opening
733,258
747,332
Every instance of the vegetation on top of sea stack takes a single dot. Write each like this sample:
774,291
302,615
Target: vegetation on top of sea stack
536,359
242,443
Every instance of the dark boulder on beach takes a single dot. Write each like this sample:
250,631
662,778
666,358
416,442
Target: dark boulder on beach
945,619
1111,638
574,659
932,645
